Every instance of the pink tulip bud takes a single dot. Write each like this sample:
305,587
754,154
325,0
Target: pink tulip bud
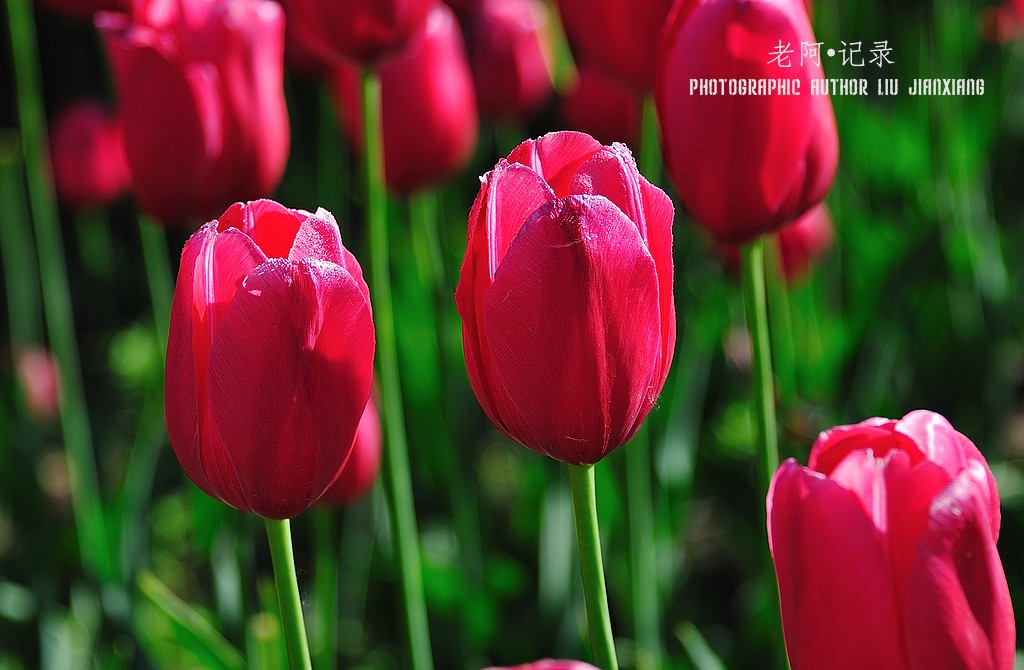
618,38
87,149
432,77
40,382
359,473
602,107
201,95
568,322
549,664
364,31
269,357
748,163
510,52
885,551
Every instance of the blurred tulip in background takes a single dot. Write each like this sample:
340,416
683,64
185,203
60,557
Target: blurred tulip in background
511,55
84,9
359,473
270,357
566,298
885,551
744,165
800,245
40,382
201,96
430,81
87,155
364,31
602,107
616,37
549,664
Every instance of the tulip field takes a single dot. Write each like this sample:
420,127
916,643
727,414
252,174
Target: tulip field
511,334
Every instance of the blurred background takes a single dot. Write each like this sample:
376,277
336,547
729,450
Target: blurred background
918,302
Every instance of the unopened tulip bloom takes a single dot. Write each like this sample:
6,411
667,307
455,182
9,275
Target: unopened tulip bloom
269,357
87,154
363,31
359,473
510,53
201,95
431,81
549,664
568,322
744,165
602,107
885,551
619,38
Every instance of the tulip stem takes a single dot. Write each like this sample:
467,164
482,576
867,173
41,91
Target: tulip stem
158,276
755,297
279,536
396,478
90,522
588,542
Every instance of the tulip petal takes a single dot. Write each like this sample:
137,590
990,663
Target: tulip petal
290,373
556,157
612,172
573,323
511,193
213,266
958,611
835,585
950,449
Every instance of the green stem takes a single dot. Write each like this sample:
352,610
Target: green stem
641,534
764,391
85,490
588,542
158,276
649,161
24,310
325,594
782,334
397,480
279,535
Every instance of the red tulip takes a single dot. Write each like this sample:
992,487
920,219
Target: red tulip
269,357
1003,23
602,107
549,664
568,322
616,37
87,149
510,52
359,473
200,84
744,165
885,551
800,245
432,77
365,31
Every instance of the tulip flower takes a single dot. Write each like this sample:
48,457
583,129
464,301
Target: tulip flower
565,293
619,38
800,245
602,107
885,551
200,85
269,357
549,664
432,77
744,165
359,473
364,31
510,53
87,154
1004,22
